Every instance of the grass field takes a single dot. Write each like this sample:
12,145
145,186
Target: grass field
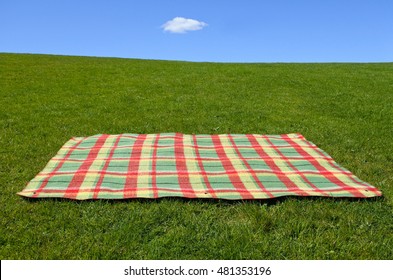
346,109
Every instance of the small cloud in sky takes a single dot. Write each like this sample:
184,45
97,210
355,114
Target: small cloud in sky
183,25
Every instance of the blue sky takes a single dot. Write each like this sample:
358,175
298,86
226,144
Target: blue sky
229,31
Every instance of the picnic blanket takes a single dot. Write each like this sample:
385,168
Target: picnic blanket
226,166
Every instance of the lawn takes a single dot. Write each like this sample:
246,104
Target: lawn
346,109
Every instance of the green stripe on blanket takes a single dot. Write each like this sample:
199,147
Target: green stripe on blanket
227,166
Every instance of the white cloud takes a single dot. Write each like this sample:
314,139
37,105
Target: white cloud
182,25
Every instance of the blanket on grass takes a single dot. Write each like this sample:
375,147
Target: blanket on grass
227,166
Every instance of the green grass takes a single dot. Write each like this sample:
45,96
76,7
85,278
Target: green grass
346,109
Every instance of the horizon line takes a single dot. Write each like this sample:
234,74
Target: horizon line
200,61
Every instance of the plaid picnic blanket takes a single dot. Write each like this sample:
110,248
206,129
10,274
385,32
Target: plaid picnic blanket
227,166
